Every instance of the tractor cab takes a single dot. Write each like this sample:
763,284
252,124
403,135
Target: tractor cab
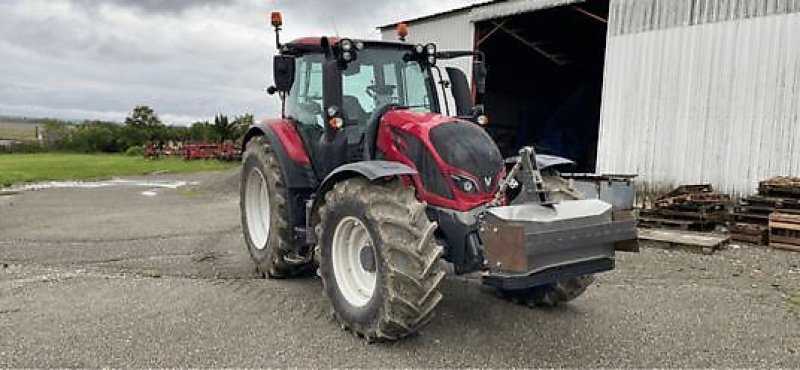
337,90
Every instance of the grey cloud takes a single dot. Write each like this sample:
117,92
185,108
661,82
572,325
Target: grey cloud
156,6
187,59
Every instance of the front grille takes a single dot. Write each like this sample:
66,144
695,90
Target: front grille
468,147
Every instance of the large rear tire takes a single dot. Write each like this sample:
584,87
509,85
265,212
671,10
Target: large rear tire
550,295
560,292
265,216
378,260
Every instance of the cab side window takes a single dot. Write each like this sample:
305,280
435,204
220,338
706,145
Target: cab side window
304,103
357,104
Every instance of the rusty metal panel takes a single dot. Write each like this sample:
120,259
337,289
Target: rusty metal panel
701,91
505,247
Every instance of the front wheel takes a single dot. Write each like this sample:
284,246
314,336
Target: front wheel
378,261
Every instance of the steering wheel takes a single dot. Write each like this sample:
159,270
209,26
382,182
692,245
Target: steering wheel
375,90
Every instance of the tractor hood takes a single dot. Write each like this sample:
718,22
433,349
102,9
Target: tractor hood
459,164
466,146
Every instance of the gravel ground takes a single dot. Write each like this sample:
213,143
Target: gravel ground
114,277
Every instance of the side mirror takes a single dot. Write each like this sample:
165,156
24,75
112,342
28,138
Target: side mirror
479,76
461,91
283,72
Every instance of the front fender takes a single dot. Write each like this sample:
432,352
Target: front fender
371,170
544,161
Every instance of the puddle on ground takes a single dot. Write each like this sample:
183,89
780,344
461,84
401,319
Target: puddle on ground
152,184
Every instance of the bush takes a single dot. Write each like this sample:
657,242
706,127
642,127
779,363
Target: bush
135,151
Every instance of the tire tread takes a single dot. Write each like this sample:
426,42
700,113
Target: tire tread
412,287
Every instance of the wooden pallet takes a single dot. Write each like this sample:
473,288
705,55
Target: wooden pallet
781,186
771,202
716,216
750,218
788,247
669,223
784,231
702,242
750,233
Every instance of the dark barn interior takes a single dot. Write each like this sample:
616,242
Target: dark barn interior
545,79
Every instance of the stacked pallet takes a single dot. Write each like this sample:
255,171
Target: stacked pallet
781,187
784,222
689,207
750,217
777,201
784,231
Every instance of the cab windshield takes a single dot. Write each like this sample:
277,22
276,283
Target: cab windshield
379,76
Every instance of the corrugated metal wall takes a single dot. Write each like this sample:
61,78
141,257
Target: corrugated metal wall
702,91
513,7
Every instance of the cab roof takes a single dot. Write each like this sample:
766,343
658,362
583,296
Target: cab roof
312,44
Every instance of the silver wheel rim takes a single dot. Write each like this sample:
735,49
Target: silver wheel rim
256,198
356,284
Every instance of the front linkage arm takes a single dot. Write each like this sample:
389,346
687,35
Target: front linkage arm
531,179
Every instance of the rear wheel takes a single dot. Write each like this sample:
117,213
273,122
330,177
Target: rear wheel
265,217
550,295
377,259
563,291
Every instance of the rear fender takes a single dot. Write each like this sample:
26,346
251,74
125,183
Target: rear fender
289,149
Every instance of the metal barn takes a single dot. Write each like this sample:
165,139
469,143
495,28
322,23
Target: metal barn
676,91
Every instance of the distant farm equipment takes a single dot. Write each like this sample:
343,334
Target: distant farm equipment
226,151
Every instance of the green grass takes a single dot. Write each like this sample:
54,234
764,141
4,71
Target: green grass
20,168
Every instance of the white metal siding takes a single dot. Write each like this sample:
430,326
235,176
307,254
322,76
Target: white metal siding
716,100
449,32
509,8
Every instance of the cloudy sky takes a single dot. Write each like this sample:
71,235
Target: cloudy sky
188,59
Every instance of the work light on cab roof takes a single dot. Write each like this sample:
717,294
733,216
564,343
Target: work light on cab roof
276,19
402,31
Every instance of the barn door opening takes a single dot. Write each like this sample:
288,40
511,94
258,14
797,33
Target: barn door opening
545,79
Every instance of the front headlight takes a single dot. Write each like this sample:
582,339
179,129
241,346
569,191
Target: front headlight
464,184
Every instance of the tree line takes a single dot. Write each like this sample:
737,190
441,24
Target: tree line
141,126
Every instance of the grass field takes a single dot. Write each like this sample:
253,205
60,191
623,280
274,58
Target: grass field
20,168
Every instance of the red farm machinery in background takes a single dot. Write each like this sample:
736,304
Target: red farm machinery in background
225,151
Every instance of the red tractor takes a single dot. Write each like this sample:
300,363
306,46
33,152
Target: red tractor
364,178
